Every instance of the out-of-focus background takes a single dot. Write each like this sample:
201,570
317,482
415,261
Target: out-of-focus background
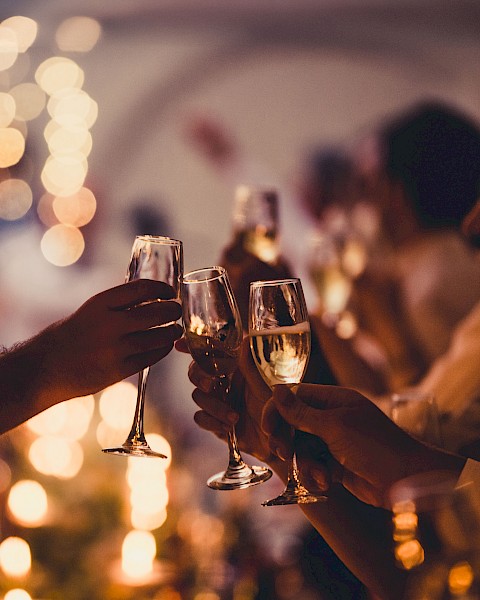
279,78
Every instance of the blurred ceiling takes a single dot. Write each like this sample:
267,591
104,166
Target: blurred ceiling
382,25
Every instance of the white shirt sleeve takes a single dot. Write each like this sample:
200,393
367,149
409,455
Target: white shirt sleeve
470,475
454,378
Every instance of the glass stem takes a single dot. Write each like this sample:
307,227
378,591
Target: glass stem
136,435
235,460
293,480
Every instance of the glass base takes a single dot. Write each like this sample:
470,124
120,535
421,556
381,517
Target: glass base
139,449
297,495
239,477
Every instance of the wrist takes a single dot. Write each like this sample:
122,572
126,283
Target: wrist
423,458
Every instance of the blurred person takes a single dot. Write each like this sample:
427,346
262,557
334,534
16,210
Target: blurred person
422,278
423,302
113,335
422,170
365,454
322,185
324,191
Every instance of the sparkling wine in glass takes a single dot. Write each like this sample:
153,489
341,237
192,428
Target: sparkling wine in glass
161,259
255,220
279,332
213,331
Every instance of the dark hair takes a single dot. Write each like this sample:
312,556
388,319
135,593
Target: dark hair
434,150
330,170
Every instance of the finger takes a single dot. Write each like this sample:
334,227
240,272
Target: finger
181,345
200,379
314,475
153,314
363,489
296,412
251,374
153,339
280,434
137,362
327,396
215,407
137,291
209,423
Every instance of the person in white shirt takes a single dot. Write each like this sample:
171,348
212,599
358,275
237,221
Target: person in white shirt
365,454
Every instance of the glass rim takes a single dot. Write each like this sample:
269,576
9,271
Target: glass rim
159,239
273,282
187,277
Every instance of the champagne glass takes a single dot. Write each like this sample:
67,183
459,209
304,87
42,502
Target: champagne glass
279,332
159,258
416,411
213,331
255,220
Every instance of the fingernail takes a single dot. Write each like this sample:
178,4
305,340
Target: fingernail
280,453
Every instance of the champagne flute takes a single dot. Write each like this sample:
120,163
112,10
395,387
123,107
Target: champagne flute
279,332
159,258
213,331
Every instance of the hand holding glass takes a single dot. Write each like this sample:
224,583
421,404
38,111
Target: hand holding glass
161,259
279,332
213,331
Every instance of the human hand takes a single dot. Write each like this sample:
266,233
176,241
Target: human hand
113,335
369,451
247,399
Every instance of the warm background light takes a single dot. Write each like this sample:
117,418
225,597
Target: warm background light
45,210
28,503
56,456
65,139
25,30
78,34
73,107
69,419
117,403
138,553
8,47
64,175
7,109
58,73
12,146
76,210
5,476
29,99
15,199
15,557
17,594
62,245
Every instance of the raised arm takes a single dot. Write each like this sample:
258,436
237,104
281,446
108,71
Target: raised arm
111,336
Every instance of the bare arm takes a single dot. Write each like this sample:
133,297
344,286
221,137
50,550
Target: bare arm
110,337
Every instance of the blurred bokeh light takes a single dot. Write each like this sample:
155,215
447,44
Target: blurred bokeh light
15,557
62,245
78,34
28,503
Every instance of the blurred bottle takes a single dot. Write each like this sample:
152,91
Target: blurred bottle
255,221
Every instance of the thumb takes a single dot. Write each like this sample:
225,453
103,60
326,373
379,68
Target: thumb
296,412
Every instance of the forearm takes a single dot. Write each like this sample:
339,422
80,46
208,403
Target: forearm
360,535
26,385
